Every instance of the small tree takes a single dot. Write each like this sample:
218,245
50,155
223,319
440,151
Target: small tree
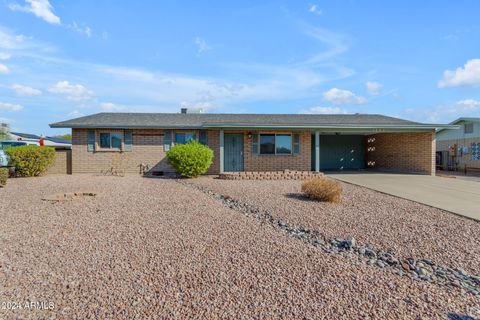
31,161
191,159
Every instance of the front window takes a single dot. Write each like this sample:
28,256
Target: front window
283,143
468,128
184,137
110,140
275,144
267,144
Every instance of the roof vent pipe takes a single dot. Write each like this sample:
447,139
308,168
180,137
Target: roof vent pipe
183,110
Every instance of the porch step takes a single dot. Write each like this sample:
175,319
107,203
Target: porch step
270,175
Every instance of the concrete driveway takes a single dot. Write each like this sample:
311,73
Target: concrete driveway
455,195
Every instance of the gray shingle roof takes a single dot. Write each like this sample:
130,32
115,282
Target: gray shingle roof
209,120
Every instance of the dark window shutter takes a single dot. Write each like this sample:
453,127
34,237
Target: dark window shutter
203,137
167,140
296,143
127,140
254,143
91,141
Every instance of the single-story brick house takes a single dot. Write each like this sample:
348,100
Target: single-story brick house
253,142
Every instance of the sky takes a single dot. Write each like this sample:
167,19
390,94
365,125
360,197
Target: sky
418,60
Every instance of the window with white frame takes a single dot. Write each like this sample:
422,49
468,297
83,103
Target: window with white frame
111,140
275,143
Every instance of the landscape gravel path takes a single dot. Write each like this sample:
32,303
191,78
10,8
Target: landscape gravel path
407,228
154,248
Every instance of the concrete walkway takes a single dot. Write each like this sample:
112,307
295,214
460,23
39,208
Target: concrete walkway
451,194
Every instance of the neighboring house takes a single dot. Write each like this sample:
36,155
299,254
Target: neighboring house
57,143
459,149
63,154
253,142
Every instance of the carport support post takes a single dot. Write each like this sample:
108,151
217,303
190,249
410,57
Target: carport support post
317,151
222,142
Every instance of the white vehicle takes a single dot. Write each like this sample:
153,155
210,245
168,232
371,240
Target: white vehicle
4,145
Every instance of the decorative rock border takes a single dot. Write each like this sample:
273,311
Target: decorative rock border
418,270
270,175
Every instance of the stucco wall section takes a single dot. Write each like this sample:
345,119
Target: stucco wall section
402,152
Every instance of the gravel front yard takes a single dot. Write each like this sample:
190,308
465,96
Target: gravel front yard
407,228
148,248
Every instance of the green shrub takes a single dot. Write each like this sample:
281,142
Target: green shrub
323,189
31,161
3,176
190,159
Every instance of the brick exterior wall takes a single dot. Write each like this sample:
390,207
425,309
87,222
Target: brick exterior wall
63,163
147,148
258,162
461,160
402,152
213,141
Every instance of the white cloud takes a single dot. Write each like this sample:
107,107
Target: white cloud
22,90
9,40
447,113
85,30
374,88
338,96
324,110
27,46
74,92
469,104
202,45
157,90
75,114
41,8
111,107
314,9
10,106
469,75
5,56
334,43
4,69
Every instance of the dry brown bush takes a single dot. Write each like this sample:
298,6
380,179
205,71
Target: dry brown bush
323,189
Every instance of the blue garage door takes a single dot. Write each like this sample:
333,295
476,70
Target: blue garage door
342,152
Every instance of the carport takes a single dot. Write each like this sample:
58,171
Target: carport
340,152
394,149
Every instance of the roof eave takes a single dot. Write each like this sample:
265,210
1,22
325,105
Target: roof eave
93,126
369,127
330,126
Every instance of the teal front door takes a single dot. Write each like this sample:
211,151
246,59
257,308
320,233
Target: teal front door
233,152
342,152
